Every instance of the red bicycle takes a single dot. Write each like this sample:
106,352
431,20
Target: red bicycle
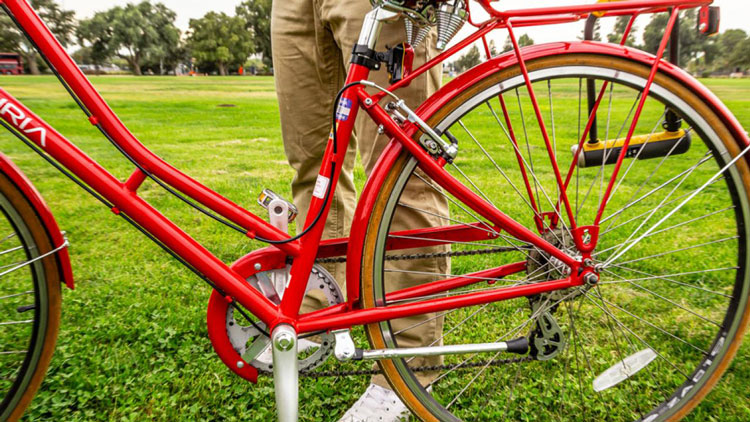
611,285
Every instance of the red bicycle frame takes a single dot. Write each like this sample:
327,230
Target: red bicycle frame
230,281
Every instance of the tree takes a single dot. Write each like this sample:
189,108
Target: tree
692,43
97,33
257,14
136,33
61,22
493,48
729,40
741,56
523,41
507,45
468,60
729,45
220,40
621,24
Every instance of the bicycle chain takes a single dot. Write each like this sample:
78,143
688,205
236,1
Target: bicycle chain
431,368
451,254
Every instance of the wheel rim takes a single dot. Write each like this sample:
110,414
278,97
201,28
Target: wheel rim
23,285
713,347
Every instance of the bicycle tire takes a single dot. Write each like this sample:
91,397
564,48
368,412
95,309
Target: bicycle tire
625,74
22,377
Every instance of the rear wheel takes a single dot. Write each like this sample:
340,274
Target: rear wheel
29,301
670,307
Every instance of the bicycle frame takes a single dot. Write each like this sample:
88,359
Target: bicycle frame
230,281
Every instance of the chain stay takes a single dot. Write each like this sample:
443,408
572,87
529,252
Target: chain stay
432,368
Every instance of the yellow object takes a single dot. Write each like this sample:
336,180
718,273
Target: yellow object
635,140
600,14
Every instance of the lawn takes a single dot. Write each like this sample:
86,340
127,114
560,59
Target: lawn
133,343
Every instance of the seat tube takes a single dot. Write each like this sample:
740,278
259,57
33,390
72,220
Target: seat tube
346,114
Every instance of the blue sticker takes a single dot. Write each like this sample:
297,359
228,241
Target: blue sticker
345,107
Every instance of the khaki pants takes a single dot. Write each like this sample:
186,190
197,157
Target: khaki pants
312,43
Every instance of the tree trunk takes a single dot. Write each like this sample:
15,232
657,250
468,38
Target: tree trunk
31,60
222,69
136,64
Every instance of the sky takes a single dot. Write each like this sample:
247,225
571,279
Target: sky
734,14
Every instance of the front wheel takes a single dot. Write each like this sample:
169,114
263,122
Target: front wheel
29,301
653,336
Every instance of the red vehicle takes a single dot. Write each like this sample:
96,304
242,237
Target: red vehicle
597,243
11,64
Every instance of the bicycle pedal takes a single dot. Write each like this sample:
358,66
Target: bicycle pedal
267,196
641,147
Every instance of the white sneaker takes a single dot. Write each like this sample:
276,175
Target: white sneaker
377,404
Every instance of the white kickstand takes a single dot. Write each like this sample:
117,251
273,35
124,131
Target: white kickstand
285,372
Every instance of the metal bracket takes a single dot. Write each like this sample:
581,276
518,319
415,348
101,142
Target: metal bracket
344,349
449,149
64,245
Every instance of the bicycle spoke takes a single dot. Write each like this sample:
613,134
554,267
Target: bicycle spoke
587,296
668,228
17,294
703,160
652,325
26,321
494,163
446,218
7,251
677,208
605,154
701,245
666,277
528,146
626,245
454,202
537,184
671,302
10,236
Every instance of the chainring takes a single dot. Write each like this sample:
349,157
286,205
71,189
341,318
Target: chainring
250,345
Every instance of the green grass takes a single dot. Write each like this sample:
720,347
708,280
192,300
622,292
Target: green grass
133,343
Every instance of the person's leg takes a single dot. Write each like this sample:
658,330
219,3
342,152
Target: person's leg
308,75
345,18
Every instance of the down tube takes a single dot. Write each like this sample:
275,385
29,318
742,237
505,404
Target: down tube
469,198
29,126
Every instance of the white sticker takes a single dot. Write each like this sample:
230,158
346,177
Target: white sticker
343,110
321,185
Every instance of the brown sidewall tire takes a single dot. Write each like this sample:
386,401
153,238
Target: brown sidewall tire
53,280
368,299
